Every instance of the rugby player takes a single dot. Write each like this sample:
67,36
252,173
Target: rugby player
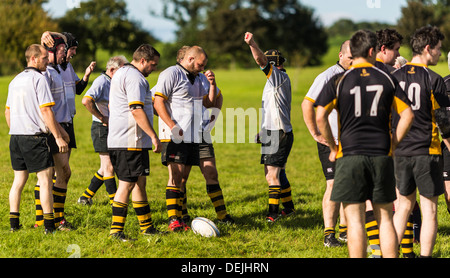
364,97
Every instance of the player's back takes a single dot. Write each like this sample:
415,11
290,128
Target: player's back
365,96
426,91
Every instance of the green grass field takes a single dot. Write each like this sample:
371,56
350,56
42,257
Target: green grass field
242,181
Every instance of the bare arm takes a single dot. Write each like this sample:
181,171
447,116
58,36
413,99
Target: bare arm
143,122
211,99
403,126
55,129
325,130
7,116
309,116
89,103
257,53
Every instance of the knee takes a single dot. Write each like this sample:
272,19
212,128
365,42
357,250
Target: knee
272,178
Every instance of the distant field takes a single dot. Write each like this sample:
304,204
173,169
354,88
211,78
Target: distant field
241,177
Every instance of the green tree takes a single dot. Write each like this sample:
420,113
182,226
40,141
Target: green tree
418,13
23,22
103,24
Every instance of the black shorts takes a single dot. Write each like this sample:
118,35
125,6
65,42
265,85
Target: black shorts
99,135
359,178
422,172
276,152
205,150
446,162
30,153
328,167
130,165
72,144
182,153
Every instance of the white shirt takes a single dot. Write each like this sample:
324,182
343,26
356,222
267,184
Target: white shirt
99,93
128,87
316,89
70,78
27,93
61,108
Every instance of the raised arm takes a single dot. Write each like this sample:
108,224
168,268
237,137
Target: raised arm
257,53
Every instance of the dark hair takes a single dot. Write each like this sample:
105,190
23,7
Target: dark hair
361,42
428,35
145,51
388,38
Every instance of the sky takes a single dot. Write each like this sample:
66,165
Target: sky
328,11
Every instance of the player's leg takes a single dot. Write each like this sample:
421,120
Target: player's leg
45,178
120,207
356,232
330,216
142,207
108,176
272,177
15,193
388,237
174,196
63,173
286,194
403,209
429,227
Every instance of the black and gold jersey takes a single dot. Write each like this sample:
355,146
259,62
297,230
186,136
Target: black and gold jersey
364,97
427,92
447,83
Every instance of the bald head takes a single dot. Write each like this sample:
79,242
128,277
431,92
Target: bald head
194,60
345,55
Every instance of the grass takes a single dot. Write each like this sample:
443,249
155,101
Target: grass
242,181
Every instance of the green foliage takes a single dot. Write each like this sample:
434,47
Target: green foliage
23,23
102,24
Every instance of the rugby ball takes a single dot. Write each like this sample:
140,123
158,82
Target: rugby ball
204,227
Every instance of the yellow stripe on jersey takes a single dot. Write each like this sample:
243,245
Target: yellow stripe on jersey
362,65
399,105
310,99
435,146
50,104
270,72
330,106
89,97
134,149
135,102
161,95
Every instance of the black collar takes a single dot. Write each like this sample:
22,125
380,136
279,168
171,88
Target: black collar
55,67
337,63
33,68
189,75
133,66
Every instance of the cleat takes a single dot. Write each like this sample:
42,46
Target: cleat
175,225
227,220
331,241
286,212
271,218
49,231
120,236
15,229
152,231
65,226
343,237
85,201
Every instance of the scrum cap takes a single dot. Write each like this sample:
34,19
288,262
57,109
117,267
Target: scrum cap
275,57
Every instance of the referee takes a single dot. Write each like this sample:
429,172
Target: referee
30,118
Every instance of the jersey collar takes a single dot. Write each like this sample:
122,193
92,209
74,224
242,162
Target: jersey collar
417,65
362,65
33,68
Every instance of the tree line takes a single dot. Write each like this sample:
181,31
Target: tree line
216,25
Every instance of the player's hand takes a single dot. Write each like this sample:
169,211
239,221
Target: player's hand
210,76
47,39
333,154
248,38
157,143
177,134
90,68
320,139
62,145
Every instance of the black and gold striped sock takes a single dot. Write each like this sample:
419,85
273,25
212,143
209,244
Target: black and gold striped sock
328,231
49,221
142,209
184,210
59,201
111,187
274,199
96,183
408,240
215,194
14,220
373,233
286,195
37,201
174,199
119,216
342,229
